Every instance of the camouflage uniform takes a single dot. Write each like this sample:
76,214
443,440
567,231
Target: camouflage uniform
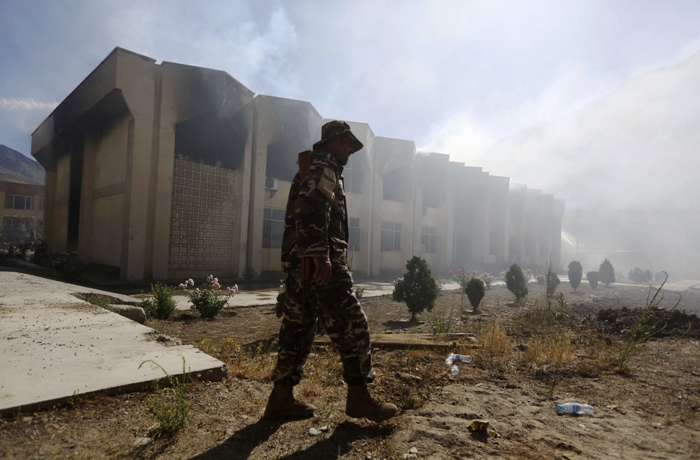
316,225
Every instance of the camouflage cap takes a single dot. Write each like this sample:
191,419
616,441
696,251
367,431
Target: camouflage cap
336,128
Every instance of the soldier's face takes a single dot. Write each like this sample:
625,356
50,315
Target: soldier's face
341,148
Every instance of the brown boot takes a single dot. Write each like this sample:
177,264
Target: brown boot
282,404
360,404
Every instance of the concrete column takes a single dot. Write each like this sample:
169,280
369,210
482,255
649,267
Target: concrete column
87,199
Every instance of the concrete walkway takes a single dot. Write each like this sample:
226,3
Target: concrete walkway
54,346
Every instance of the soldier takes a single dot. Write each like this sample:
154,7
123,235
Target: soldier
316,229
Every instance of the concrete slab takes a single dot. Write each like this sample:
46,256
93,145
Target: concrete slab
53,346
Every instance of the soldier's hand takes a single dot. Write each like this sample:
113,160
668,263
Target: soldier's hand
322,271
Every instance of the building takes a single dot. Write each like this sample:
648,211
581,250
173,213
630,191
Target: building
22,212
165,171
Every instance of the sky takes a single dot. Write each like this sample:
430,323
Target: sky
459,77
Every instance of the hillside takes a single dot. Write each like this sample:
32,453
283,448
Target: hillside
15,167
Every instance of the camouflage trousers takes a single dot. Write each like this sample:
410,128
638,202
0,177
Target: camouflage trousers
345,323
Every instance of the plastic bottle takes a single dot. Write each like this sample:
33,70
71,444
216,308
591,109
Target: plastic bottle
454,370
450,360
575,408
462,358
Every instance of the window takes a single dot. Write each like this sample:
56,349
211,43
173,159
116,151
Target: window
18,202
429,238
354,236
16,229
273,227
391,236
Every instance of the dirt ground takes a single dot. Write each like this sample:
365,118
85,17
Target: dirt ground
527,358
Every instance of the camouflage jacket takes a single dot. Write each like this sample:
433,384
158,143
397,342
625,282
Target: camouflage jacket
316,218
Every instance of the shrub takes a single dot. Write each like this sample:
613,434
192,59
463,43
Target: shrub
552,282
249,274
417,288
171,416
639,276
207,300
162,305
606,273
68,266
515,282
475,292
575,274
360,292
592,279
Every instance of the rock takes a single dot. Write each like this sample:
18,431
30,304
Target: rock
228,432
414,450
313,431
27,419
129,311
324,428
143,441
408,378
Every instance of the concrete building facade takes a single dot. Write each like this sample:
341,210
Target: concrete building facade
21,212
166,171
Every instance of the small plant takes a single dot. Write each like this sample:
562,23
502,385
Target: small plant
606,273
488,279
408,403
515,282
74,400
575,274
592,279
249,274
541,277
441,322
475,292
417,288
208,301
640,332
162,305
68,266
359,292
96,299
552,281
171,415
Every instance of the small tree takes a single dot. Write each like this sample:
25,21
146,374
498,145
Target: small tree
552,282
592,279
475,292
575,274
606,273
515,282
417,288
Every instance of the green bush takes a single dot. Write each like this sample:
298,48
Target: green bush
606,273
162,305
515,282
592,279
68,266
552,282
207,302
475,291
417,288
639,276
575,274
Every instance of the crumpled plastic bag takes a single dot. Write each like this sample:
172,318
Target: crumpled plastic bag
482,425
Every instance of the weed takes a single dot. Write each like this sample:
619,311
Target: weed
172,413
74,400
639,332
96,299
408,403
441,322
496,343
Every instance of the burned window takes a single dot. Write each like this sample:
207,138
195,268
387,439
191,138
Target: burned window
428,239
354,236
273,227
18,202
391,236
395,184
